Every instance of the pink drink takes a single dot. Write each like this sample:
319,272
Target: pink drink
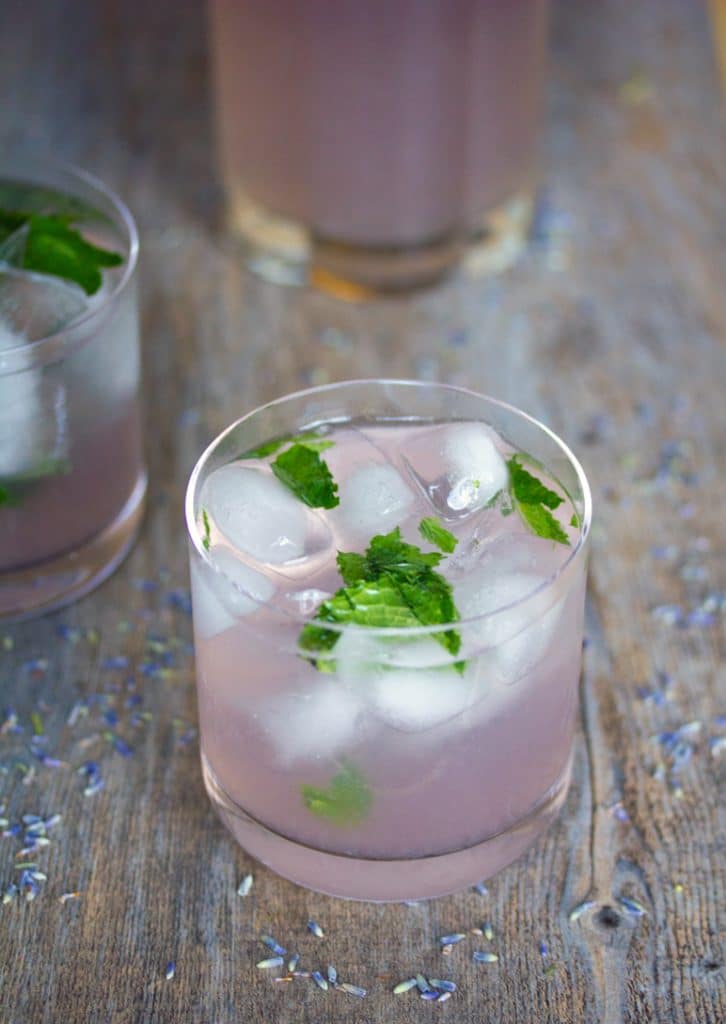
464,759
394,123
61,511
72,476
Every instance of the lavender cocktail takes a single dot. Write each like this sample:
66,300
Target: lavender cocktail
388,587
72,476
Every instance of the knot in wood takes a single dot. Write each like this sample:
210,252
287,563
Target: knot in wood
608,917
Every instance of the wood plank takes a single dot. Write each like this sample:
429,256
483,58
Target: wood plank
611,330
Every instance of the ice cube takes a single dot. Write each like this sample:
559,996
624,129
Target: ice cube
373,499
414,701
319,723
418,653
36,305
110,371
21,409
515,637
256,513
225,591
475,468
487,589
303,602
405,685
458,467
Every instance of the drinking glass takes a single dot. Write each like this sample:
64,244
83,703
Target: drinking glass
372,147
72,474
389,766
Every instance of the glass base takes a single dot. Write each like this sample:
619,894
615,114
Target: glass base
41,588
385,880
285,252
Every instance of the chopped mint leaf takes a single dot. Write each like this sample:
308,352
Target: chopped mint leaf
393,585
11,221
346,801
52,246
431,530
432,602
307,476
263,450
31,198
528,490
310,439
543,523
14,488
318,639
317,446
352,567
575,520
375,604
387,552
206,539
534,501
495,498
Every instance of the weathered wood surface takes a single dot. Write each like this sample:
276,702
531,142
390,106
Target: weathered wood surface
611,330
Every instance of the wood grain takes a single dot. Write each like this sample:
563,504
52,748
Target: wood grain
611,330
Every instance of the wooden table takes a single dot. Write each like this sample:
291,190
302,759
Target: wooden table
611,331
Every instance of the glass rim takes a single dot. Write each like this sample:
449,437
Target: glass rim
576,554
36,348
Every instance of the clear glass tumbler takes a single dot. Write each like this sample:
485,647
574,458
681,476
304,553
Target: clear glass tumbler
370,147
360,734
72,474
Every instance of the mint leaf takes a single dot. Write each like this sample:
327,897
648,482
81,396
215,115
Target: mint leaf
263,450
534,501
432,602
346,801
352,567
10,222
13,489
52,246
495,498
310,439
543,523
375,604
317,640
206,539
387,552
393,585
314,444
431,530
307,476
575,520
528,490
16,196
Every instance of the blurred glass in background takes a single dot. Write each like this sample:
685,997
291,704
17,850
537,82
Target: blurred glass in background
372,147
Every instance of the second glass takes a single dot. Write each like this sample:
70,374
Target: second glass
366,147
72,473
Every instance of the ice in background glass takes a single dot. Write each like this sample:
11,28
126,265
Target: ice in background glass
370,143
72,475
388,761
